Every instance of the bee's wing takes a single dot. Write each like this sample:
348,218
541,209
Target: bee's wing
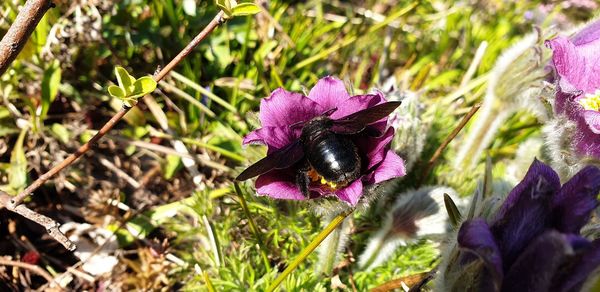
279,159
357,121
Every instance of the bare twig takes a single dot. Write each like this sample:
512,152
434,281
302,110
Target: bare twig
50,225
13,41
439,150
68,161
412,281
110,124
14,204
30,267
119,172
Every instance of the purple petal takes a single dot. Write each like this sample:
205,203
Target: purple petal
357,103
584,139
536,266
576,273
274,137
526,211
391,166
566,99
329,92
579,65
475,236
351,193
577,242
592,119
587,35
374,148
284,108
278,184
574,203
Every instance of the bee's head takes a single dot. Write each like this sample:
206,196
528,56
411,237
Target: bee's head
315,127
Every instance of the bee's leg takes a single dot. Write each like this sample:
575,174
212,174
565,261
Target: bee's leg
302,180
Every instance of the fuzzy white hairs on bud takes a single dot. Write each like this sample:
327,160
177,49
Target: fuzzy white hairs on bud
565,159
407,121
415,215
526,152
333,246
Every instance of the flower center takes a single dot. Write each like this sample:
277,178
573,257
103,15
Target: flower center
591,101
316,177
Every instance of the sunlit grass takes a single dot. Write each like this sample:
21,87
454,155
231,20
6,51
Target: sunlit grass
241,242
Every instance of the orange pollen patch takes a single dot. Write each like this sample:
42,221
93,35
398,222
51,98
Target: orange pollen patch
317,178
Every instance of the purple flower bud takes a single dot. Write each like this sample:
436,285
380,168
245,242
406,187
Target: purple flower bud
532,243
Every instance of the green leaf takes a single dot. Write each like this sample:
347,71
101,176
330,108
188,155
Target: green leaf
172,166
116,91
5,131
124,237
124,79
50,85
453,212
140,226
488,178
144,85
17,172
60,132
189,7
130,150
4,112
245,9
225,5
86,136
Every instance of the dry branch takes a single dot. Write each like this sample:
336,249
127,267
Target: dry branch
50,225
15,204
158,76
30,267
13,41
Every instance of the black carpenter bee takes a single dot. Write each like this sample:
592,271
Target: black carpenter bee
325,153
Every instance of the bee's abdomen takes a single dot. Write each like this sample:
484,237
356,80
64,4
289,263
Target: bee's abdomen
335,158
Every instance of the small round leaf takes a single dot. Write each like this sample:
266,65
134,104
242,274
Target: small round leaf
245,9
116,91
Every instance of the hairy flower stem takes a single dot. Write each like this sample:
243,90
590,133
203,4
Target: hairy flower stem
332,246
512,85
310,248
449,138
376,251
113,121
482,133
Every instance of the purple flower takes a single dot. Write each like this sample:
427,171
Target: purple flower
283,109
532,243
576,63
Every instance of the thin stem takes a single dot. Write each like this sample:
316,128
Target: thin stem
17,35
255,230
111,123
440,150
68,161
50,225
188,49
30,267
410,281
310,248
